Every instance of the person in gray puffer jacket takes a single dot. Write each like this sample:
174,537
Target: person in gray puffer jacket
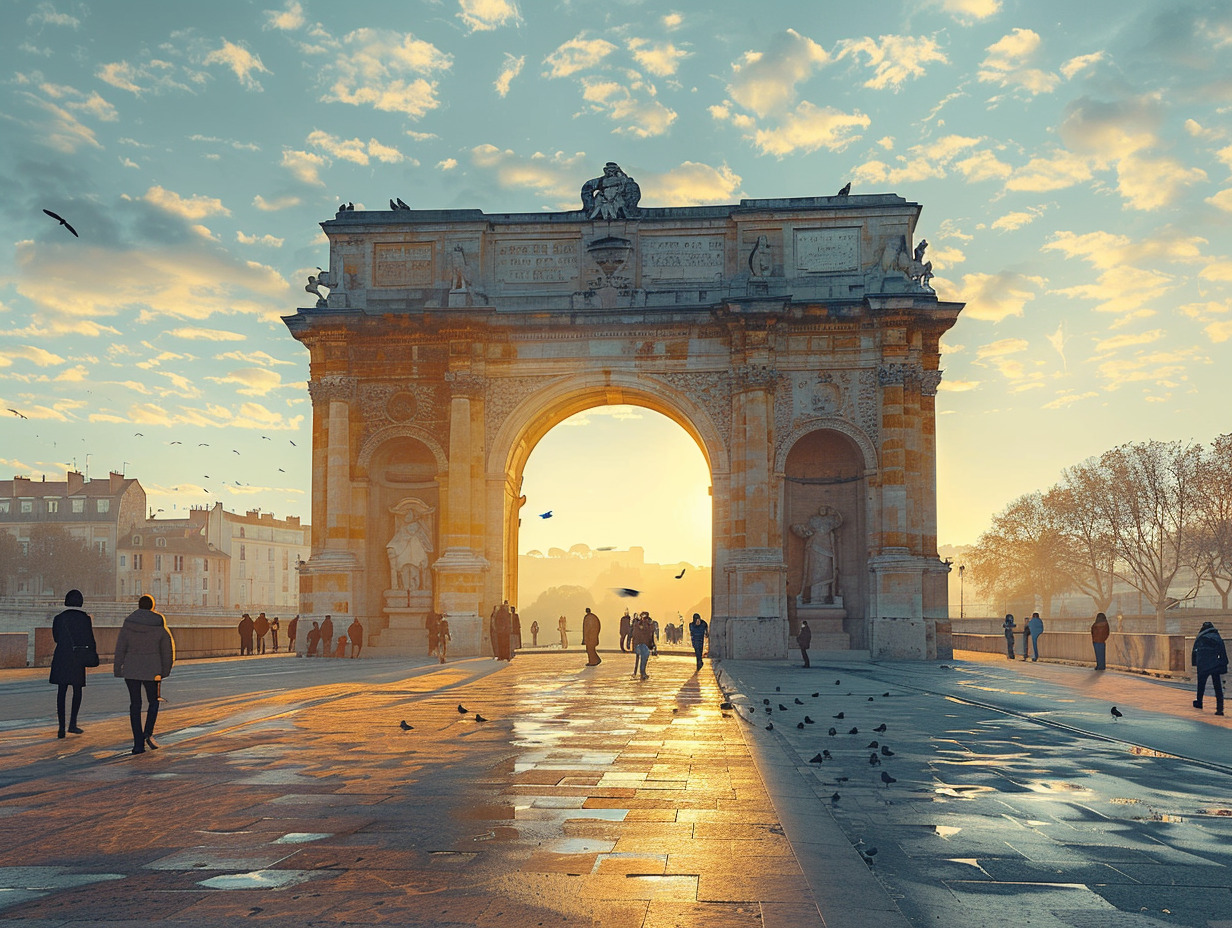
144,654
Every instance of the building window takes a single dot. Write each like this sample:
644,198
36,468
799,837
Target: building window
53,505
241,531
178,563
160,542
79,505
101,547
205,599
27,505
4,505
158,562
243,553
123,560
136,541
136,562
271,555
103,505
205,564
205,583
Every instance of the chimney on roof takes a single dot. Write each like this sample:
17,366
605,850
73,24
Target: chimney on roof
114,481
75,483
21,484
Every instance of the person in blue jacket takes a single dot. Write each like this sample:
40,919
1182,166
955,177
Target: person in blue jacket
1210,657
698,630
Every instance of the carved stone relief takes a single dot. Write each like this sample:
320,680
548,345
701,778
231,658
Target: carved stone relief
709,389
332,387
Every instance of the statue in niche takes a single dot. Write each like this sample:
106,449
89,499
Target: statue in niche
612,196
820,534
459,273
761,262
411,546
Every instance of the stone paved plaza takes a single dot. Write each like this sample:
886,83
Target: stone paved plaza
286,793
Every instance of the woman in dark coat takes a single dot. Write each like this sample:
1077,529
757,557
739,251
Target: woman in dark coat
70,628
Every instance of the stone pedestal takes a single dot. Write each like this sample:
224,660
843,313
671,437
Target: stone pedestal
899,639
826,624
756,638
405,632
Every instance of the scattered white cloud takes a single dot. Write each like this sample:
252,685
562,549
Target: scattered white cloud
993,297
40,357
1081,63
192,207
765,82
448,164
386,70
251,381
1117,342
672,21
893,58
194,333
45,14
241,61
1008,63
154,76
252,357
553,176
659,58
1152,183
968,11
633,108
578,54
1055,171
1221,200
1011,222
305,166
485,15
510,70
1069,399
809,128
1161,368
267,239
276,204
354,150
956,385
690,184
288,19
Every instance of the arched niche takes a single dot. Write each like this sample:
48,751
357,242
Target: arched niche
400,468
825,467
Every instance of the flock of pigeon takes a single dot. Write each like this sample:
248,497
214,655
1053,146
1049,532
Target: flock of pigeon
462,710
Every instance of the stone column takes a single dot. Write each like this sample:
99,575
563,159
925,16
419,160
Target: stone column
755,571
459,572
329,579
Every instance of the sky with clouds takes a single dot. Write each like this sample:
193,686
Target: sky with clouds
1074,162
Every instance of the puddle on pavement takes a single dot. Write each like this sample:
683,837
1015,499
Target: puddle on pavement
945,831
260,879
962,792
302,837
580,846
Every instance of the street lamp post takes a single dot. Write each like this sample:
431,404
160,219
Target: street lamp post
962,569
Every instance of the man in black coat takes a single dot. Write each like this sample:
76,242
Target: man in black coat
327,635
70,629
804,639
1210,657
246,628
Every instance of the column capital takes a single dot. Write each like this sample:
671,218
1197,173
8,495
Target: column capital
466,384
753,377
929,381
332,387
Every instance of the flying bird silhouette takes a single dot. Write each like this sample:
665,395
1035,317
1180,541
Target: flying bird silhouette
815,695
546,515
798,702
626,591
404,726
204,444
782,708
138,435
281,471
266,438
16,413
175,443
808,721
293,445
62,222
681,574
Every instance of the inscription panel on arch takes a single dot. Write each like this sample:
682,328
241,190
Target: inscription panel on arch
402,264
524,262
827,251
666,258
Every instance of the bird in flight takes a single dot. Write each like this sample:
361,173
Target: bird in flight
681,574
233,451
62,222
204,444
138,435
625,591
175,443
266,438
281,471
16,413
292,443
546,515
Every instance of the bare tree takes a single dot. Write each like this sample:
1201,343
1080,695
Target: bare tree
1089,550
62,561
1209,543
1022,554
12,562
1145,492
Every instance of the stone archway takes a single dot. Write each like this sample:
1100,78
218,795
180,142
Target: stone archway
454,340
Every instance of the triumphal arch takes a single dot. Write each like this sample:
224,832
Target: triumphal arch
795,339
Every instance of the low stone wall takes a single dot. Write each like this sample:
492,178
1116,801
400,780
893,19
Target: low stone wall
190,642
13,649
1142,652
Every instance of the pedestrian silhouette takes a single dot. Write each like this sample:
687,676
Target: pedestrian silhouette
76,649
144,655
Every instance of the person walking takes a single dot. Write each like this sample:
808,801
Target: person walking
698,632
293,637
1026,637
515,632
260,629
626,621
534,634
641,633
313,639
564,633
245,627
442,638
327,635
144,655
274,626
590,638
355,631
1099,639
502,628
1210,657
432,625
804,639
76,649
1008,627
1035,626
